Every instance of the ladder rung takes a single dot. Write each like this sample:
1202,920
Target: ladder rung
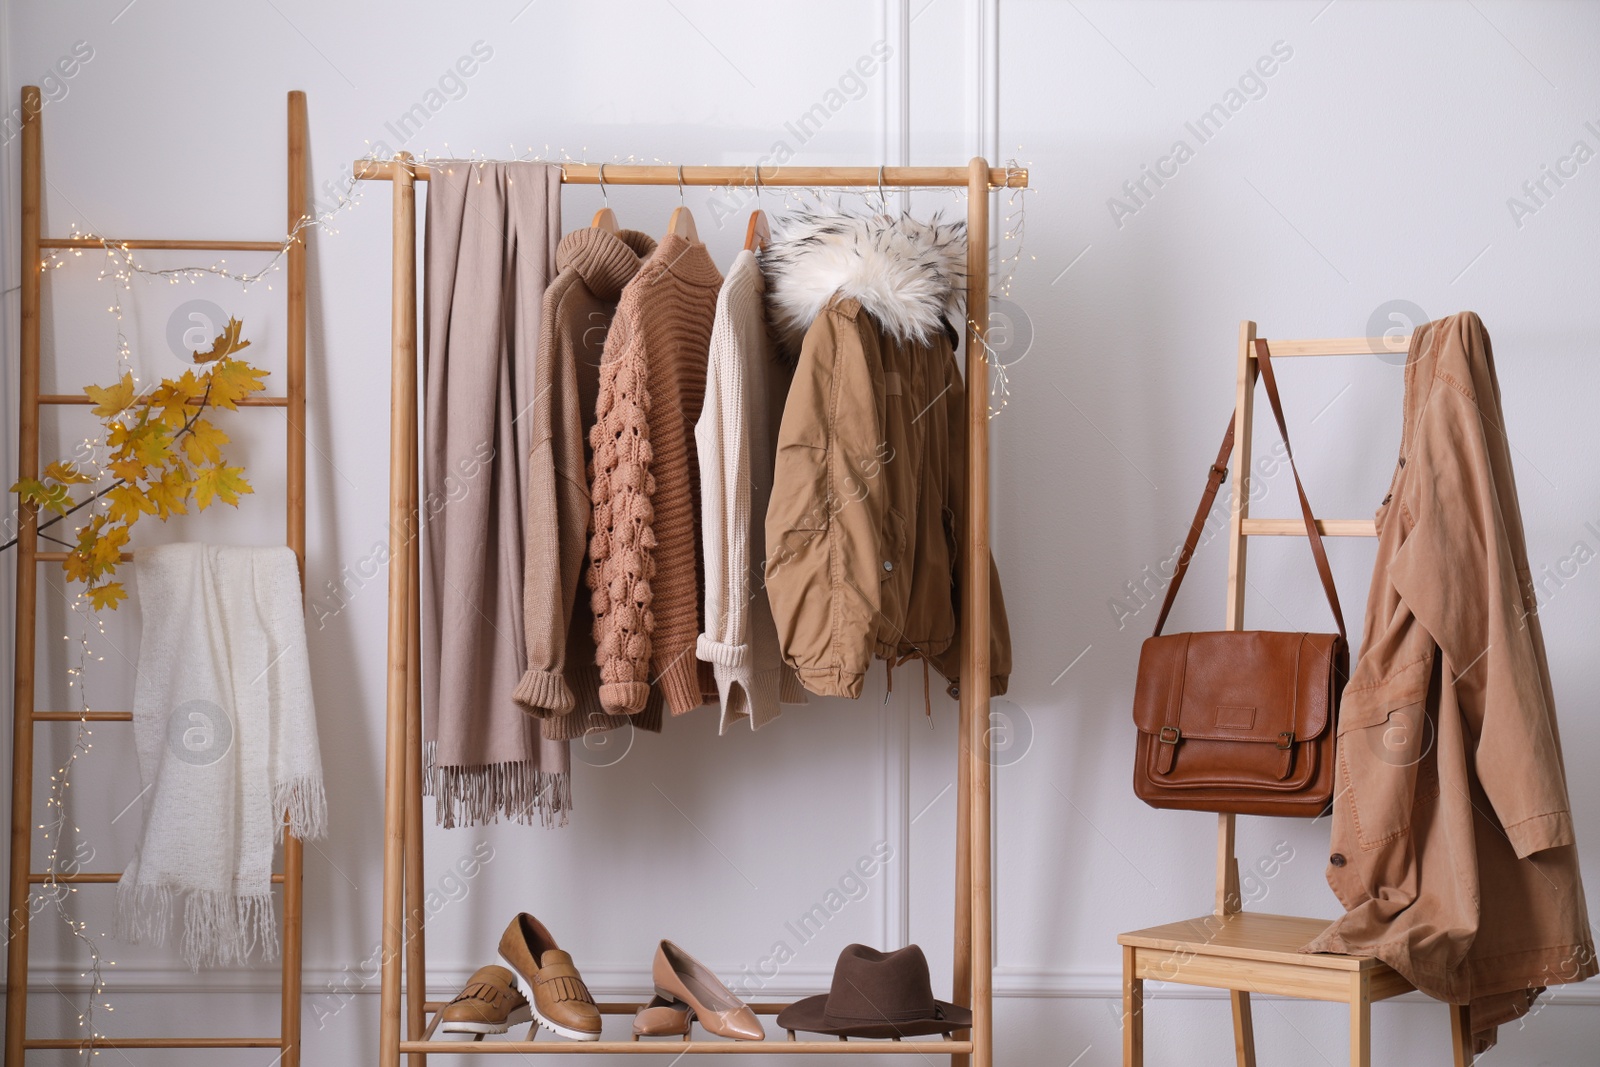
1297,527
154,1042
95,878
159,244
60,557
83,716
78,399
1338,346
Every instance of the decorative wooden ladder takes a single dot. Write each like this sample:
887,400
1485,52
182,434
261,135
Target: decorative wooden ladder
1245,952
23,713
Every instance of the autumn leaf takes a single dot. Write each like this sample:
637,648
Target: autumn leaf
77,566
108,595
129,470
112,400
169,493
152,444
232,380
67,473
106,552
52,497
203,443
221,483
226,342
127,503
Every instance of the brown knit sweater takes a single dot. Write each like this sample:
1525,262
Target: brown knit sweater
644,554
561,684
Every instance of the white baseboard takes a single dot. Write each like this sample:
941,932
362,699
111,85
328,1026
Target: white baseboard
622,983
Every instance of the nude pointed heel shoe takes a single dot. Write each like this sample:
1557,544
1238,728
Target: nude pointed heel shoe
680,977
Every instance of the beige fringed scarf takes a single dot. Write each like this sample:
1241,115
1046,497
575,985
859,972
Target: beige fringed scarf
492,233
227,741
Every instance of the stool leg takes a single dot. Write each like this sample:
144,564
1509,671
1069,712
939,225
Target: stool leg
1132,1011
1360,1021
1244,1030
1460,1036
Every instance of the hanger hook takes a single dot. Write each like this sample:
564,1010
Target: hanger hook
605,197
681,202
883,199
758,186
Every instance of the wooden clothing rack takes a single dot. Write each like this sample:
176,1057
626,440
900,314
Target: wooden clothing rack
1246,952
402,809
23,713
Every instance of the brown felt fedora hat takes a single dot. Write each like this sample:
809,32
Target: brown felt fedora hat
877,994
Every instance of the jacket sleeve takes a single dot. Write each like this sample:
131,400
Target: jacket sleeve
556,503
823,518
621,551
1457,573
949,662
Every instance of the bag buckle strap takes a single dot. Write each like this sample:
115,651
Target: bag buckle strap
1286,740
1170,735
1219,470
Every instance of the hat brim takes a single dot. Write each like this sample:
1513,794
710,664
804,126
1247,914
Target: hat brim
810,1015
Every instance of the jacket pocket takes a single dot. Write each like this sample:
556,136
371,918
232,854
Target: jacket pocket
1387,753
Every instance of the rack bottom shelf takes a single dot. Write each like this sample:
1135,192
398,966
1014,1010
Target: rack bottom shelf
679,1048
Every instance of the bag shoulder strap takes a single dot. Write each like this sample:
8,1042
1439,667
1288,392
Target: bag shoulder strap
1219,473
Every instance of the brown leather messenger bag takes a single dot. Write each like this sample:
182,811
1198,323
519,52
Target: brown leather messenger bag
1241,721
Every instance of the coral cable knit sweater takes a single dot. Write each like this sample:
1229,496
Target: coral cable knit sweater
644,560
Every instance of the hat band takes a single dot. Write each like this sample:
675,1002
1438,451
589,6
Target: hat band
909,1015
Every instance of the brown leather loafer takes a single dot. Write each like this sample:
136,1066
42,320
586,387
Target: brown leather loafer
489,1004
680,977
662,1018
547,977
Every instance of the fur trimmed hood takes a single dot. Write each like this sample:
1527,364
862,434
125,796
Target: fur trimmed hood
907,274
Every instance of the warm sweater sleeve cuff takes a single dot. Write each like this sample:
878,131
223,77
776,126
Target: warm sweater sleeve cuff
680,683
544,693
721,653
624,698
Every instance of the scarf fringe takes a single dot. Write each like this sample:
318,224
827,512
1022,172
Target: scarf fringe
220,928
307,804
477,796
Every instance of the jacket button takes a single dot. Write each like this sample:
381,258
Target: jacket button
888,565
1337,859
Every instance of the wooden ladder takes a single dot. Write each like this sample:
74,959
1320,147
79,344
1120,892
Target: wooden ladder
23,713
1246,952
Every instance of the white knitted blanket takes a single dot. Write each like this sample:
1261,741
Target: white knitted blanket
227,741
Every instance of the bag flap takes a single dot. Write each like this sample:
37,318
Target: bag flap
1237,685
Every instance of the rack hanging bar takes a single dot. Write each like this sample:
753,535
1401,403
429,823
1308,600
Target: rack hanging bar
1297,528
77,400
83,716
175,246
681,1048
645,174
152,1042
94,878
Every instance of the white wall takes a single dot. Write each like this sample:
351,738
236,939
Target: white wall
1374,165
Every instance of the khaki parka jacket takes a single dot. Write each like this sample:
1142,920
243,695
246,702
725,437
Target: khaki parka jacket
869,490
1452,838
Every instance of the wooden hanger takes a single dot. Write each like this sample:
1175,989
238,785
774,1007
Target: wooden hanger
605,219
757,235
682,221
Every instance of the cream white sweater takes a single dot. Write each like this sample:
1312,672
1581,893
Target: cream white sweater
745,387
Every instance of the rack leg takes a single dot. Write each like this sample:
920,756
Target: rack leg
1460,1036
22,704
295,493
402,531
416,965
975,666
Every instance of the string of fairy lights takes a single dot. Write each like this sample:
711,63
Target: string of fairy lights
122,267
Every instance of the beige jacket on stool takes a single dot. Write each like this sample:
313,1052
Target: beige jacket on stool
1452,844
745,386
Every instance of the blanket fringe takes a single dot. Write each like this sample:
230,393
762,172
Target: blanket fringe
220,928
307,804
477,796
